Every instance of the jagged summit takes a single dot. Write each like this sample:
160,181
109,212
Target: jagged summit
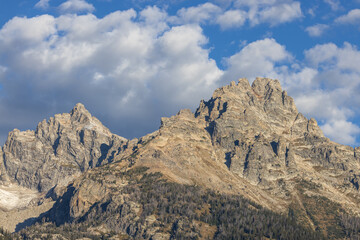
80,114
262,85
79,107
58,150
247,140
262,107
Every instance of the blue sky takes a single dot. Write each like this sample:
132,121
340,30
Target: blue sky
132,62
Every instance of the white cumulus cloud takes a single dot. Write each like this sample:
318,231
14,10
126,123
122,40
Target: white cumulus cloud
348,131
128,68
273,12
232,18
281,13
330,56
352,17
198,14
258,58
227,15
316,30
325,85
335,102
43,4
76,6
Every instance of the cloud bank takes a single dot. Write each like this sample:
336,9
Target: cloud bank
130,68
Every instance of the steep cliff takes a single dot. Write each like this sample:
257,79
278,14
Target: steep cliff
58,150
247,145
262,137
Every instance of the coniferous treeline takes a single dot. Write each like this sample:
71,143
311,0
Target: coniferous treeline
5,235
180,211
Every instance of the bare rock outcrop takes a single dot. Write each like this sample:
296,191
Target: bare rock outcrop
58,150
3,176
247,140
264,139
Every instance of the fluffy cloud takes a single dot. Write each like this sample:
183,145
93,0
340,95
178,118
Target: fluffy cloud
128,68
329,56
281,13
43,4
348,131
75,6
316,30
26,31
199,14
323,105
352,17
258,58
232,18
334,104
330,107
273,12
334,114
132,67
325,85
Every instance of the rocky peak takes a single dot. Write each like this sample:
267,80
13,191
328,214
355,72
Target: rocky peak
256,122
242,83
247,139
80,113
263,86
263,106
185,112
79,107
183,115
60,149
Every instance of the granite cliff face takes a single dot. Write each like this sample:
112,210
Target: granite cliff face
247,140
261,136
57,151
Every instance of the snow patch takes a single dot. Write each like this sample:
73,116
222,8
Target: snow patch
14,196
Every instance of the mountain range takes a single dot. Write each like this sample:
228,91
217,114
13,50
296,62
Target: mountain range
245,165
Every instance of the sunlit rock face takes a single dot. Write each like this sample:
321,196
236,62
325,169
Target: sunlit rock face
58,150
247,140
260,136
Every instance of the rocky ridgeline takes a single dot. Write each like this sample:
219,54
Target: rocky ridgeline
57,151
252,140
247,140
264,138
